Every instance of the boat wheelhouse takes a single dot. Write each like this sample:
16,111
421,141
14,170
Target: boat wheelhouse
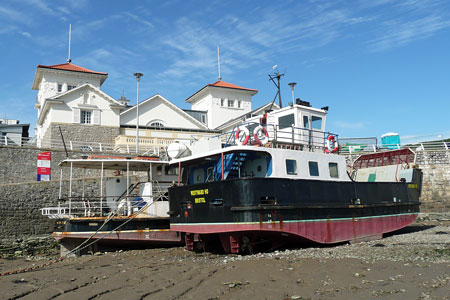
280,181
125,207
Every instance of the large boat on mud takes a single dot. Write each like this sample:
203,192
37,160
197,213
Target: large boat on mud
279,181
125,207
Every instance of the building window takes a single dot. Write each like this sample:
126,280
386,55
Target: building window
313,168
230,103
71,86
59,87
222,102
239,103
291,167
204,119
85,117
156,124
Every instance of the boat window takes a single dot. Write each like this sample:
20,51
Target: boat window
305,122
209,174
334,173
171,170
286,121
316,122
313,168
291,167
199,175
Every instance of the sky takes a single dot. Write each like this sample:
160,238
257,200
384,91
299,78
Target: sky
380,65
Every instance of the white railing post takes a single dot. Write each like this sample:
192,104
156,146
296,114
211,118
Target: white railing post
6,140
100,146
422,147
374,148
128,149
445,146
398,146
71,146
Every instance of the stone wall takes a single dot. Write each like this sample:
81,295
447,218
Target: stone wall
20,216
85,133
436,180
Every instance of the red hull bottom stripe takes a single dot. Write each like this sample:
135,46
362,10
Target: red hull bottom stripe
320,231
159,236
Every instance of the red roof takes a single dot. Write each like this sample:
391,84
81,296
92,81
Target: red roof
71,67
223,84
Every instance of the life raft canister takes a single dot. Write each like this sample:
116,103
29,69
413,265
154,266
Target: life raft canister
242,136
261,135
331,148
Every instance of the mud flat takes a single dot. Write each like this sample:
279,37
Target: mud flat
413,263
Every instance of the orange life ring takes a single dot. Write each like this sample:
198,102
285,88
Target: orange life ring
328,147
261,135
242,136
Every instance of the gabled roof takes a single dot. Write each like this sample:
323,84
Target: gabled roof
170,104
56,99
223,84
67,67
71,67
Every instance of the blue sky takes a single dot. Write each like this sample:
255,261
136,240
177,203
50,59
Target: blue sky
379,65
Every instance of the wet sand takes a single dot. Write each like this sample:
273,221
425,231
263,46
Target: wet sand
413,263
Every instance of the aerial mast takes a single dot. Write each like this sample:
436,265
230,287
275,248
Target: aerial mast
277,76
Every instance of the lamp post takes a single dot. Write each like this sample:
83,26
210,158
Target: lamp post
138,78
292,85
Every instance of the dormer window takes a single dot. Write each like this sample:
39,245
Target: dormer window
222,102
239,103
60,87
230,103
70,87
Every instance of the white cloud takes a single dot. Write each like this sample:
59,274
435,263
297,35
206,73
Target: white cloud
399,34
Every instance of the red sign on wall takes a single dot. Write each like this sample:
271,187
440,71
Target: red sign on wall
44,166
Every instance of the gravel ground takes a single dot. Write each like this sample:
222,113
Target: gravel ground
413,263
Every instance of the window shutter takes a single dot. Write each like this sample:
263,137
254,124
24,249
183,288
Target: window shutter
76,115
96,117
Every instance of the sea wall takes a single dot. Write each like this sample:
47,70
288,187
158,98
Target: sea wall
21,196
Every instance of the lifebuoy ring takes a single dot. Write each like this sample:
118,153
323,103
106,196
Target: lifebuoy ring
261,135
329,148
242,136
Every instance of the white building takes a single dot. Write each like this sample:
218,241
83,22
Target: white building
222,101
69,98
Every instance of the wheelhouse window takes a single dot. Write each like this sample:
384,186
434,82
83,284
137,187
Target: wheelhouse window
316,122
85,117
313,168
291,167
286,121
334,172
306,122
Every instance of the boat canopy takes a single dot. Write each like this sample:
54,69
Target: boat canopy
111,164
